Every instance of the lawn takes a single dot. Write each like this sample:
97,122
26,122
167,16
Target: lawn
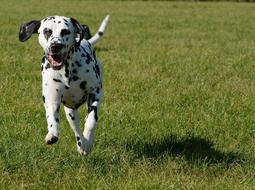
179,104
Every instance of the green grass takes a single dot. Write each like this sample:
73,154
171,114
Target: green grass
179,104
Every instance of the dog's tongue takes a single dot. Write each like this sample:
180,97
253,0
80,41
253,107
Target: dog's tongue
55,60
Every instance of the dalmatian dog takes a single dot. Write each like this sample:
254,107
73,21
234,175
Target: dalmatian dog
71,74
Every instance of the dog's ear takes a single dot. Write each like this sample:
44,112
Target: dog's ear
80,30
87,34
27,29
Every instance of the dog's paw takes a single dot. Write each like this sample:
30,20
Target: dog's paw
88,140
82,151
83,147
50,139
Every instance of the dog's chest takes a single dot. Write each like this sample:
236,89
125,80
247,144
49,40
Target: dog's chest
80,76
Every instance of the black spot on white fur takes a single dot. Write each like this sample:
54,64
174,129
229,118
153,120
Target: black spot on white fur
77,63
93,108
71,116
56,80
74,71
83,85
65,32
75,78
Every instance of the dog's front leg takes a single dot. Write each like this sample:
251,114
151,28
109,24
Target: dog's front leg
52,116
52,96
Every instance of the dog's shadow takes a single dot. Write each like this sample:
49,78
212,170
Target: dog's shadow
193,149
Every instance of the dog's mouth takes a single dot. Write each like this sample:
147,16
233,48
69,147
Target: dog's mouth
56,60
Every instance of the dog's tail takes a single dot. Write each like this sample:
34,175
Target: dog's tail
94,39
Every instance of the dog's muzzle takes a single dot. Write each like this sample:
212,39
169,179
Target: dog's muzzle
55,55
55,48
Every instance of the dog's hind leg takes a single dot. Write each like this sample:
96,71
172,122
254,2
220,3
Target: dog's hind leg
73,120
91,119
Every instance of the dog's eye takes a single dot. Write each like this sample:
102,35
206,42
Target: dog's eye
47,33
64,32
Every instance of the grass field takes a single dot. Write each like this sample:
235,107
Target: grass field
179,105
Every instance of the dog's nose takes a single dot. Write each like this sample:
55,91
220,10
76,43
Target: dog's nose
55,48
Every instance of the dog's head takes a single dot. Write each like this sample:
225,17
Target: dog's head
57,36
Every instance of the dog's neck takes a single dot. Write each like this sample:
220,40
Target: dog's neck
67,66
